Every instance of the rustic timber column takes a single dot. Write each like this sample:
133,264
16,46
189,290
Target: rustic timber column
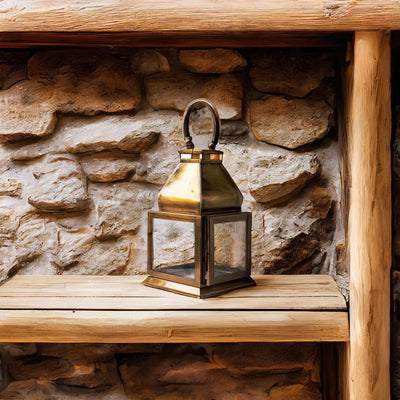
369,231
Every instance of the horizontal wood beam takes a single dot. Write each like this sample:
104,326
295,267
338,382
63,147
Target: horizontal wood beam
185,39
70,326
198,16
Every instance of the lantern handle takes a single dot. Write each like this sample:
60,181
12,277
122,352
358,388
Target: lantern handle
215,118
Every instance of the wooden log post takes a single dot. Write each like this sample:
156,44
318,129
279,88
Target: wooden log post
369,224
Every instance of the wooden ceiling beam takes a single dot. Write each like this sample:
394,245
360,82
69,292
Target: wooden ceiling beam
175,17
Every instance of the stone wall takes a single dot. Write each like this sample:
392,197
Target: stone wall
163,372
88,137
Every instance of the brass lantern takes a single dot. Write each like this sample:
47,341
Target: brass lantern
199,243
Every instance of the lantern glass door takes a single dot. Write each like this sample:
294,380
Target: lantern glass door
173,243
174,247
229,248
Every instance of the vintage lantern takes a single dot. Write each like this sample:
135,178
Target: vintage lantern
199,243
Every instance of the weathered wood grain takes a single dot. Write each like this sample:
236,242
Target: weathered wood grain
281,292
171,326
197,16
118,309
369,226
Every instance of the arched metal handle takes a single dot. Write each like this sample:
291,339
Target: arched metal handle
215,118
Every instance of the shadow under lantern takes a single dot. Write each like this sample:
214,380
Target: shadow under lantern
199,243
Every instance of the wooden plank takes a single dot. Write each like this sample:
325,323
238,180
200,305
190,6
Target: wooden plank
198,16
172,39
171,326
20,282
127,293
369,229
177,303
113,285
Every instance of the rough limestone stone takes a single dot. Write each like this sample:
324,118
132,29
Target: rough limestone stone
212,61
201,125
11,350
111,133
130,134
77,353
179,371
40,367
43,264
248,358
102,258
44,389
148,62
60,185
10,187
286,237
170,53
21,113
121,207
93,365
8,261
103,374
85,81
9,222
34,149
19,390
23,239
297,391
12,67
17,124
157,165
289,72
35,236
233,128
73,244
289,123
281,175
176,91
107,167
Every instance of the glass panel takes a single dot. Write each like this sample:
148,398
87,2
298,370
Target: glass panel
173,247
229,248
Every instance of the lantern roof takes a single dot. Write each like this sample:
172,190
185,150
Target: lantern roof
200,184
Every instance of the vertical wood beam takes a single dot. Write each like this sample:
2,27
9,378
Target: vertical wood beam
369,224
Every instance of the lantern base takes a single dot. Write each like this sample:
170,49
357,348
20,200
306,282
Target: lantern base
199,293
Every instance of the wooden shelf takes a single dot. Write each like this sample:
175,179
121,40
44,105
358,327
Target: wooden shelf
119,309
